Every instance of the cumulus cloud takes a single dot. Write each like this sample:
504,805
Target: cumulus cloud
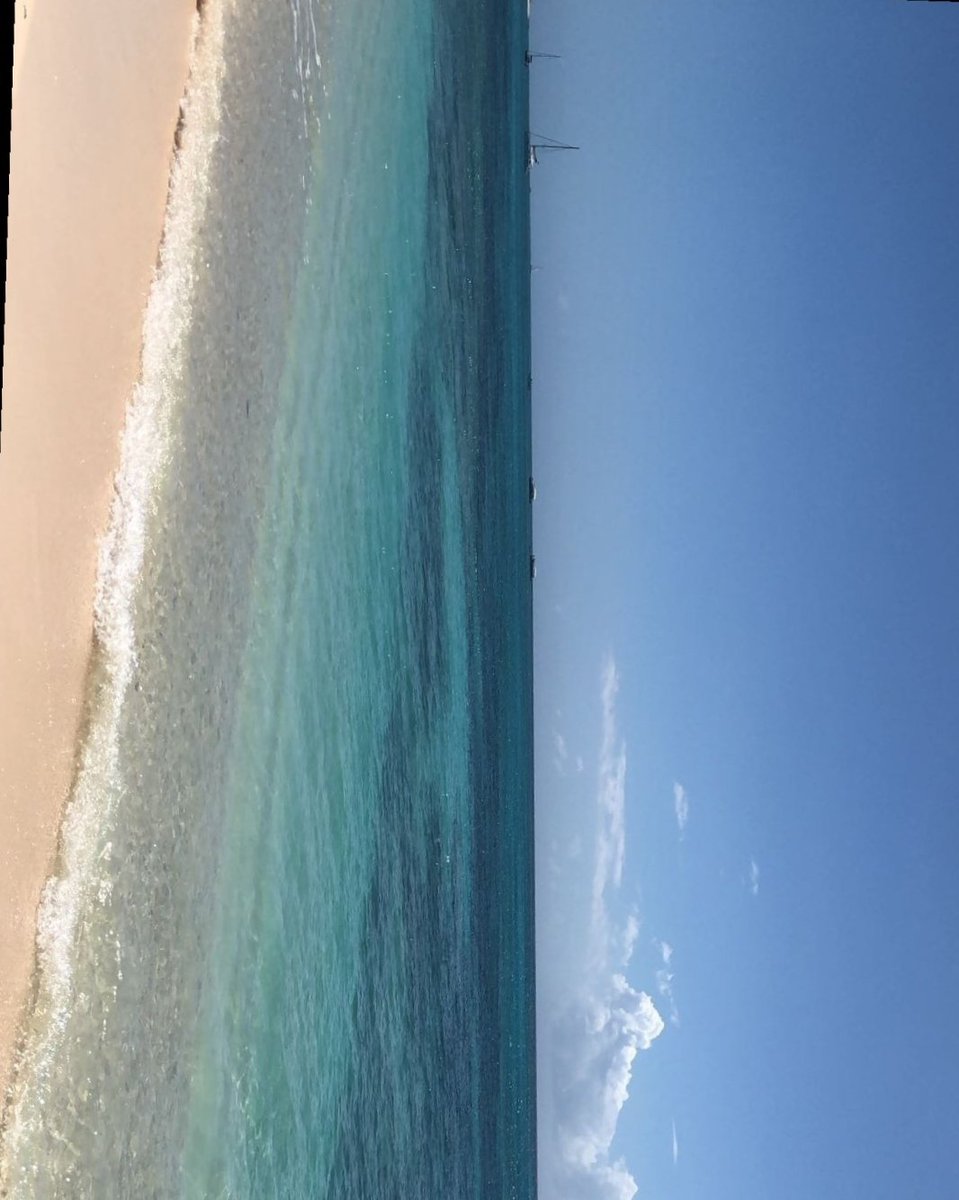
680,807
605,1037
595,1030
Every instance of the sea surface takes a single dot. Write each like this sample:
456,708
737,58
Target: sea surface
288,949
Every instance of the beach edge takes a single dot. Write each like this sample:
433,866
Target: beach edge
96,109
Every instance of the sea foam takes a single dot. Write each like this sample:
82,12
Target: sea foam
145,456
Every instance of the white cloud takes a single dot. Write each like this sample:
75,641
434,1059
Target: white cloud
753,877
664,980
681,807
620,1022
596,1047
630,934
559,745
594,1030
611,799
675,1145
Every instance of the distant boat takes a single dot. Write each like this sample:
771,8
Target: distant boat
532,566
530,56
532,488
543,143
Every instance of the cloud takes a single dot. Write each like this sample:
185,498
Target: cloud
630,934
611,799
675,1145
753,877
609,1182
594,1030
618,1024
681,807
562,753
664,980
598,1045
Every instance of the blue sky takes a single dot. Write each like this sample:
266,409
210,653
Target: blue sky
746,422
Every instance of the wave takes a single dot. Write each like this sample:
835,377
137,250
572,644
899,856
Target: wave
146,447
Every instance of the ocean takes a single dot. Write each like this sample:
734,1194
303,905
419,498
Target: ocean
288,947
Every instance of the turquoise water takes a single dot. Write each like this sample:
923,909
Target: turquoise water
289,948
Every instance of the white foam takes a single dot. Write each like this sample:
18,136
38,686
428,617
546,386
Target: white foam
145,455
303,54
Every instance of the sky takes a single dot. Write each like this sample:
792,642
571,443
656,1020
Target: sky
746,446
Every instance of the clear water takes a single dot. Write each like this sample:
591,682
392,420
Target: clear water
289,947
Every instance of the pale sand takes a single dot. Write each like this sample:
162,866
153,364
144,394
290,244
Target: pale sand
97,87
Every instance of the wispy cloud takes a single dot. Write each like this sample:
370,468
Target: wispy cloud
611,799
596,1030
630,934
680,807
664,980
561,753
753,880
675,1145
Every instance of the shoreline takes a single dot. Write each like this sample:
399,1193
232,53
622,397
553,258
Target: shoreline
96,105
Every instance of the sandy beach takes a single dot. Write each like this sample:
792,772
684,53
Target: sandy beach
95,105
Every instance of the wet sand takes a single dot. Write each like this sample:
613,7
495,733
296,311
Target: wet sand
96,95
